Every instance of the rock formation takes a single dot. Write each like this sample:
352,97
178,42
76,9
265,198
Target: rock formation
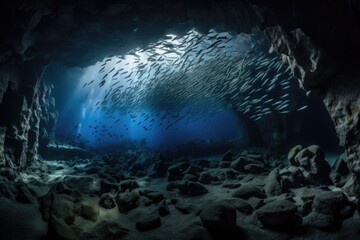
323,58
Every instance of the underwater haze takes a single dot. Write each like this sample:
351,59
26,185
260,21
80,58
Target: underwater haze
202,87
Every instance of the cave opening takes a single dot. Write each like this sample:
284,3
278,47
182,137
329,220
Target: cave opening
182,119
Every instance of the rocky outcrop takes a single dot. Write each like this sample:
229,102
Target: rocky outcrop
323,59
342,101
28,116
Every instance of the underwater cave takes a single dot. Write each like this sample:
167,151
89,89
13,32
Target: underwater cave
202,119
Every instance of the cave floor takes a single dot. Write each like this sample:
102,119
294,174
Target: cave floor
97,199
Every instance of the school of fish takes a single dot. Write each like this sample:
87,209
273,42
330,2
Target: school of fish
177,78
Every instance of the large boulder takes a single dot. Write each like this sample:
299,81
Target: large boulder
148,222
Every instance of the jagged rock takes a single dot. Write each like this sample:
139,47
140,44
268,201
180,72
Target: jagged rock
292,153
89,209
315,168
272,184
247,191
340,172
148,223
279,213
351,186
107,201
291,177
218,217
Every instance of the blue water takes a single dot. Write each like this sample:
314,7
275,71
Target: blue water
99,130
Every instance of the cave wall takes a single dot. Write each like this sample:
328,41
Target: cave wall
322,50
28,115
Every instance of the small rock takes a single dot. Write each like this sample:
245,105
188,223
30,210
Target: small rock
155,196
148,223
89,210
247,191
205,178
191,188
176,172
218,217
107,201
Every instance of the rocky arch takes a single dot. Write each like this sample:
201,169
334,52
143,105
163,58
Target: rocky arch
318,39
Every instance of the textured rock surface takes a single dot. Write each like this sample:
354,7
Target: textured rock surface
323,59
342,101
28,115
